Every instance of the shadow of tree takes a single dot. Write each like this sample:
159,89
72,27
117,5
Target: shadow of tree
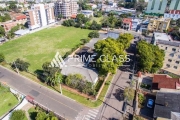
119,94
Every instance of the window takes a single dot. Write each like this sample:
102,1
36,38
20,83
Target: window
165,48
172,55
167,65
175,67
169,60
177,62
174,49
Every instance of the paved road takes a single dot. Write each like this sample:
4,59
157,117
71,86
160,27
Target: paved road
51,99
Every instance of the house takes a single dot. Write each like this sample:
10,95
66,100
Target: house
173,14
87,13
127,23
165,81
171,63
18,17
135,23
144,25
159,24
167,105
93,6
8,25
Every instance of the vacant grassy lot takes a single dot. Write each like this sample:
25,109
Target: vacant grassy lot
41,46
7,100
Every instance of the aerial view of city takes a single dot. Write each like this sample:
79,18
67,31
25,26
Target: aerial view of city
90,60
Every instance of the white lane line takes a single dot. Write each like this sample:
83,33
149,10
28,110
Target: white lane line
90,117
94,112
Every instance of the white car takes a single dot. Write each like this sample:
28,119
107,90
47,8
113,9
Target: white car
150,103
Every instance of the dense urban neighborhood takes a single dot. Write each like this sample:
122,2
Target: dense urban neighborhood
89,59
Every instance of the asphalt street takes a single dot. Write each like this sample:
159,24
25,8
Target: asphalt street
54,101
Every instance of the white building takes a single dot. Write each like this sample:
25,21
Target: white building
172,52
156,6
174,14
66,8
175,5
135,23
87,13
40,15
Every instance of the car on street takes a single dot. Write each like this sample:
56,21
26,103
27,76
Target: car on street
150,103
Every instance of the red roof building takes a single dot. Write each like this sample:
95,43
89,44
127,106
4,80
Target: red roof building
174,14
127,23
165,81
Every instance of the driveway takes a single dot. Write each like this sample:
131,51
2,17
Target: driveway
54,101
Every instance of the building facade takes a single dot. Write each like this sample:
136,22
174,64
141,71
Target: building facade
66,8
127,23
156,6
172,52
40,15
174,5
173,14
159,24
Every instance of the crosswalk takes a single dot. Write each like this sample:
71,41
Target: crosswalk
91,115
87,115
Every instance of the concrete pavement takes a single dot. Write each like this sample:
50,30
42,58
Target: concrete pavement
112,107
54,101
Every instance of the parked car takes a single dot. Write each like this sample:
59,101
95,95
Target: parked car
150,103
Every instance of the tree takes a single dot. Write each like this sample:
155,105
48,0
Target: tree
129,93
2,31
178,22
20,64
60,16
18,115
93,34
137,117
111,54
125,39
2,57
41,116
150,57
95,26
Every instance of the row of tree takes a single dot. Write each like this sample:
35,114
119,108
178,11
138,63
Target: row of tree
111,53
150,57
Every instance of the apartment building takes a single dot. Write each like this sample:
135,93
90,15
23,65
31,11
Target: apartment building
159,24
174,5
172,52
156,6
40,15
66,8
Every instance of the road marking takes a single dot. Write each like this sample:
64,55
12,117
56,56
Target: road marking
90,116
56,100
94,112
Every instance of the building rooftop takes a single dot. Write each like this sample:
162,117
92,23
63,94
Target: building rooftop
174,11
164,81
161,36
127,20
166,102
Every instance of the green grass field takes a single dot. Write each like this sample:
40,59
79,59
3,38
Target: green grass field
7,100
42,46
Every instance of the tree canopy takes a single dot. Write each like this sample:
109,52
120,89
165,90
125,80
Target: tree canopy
2,57
129,93
21,65
111,54
93,34
125,39
150,57
18,115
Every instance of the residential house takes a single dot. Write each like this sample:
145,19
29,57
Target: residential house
144,25
18,17
156,6
173,14
8,25
40,15
171,48
93,6
167,105
165,81
127,23
135,23
66,8
159,24
87,13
